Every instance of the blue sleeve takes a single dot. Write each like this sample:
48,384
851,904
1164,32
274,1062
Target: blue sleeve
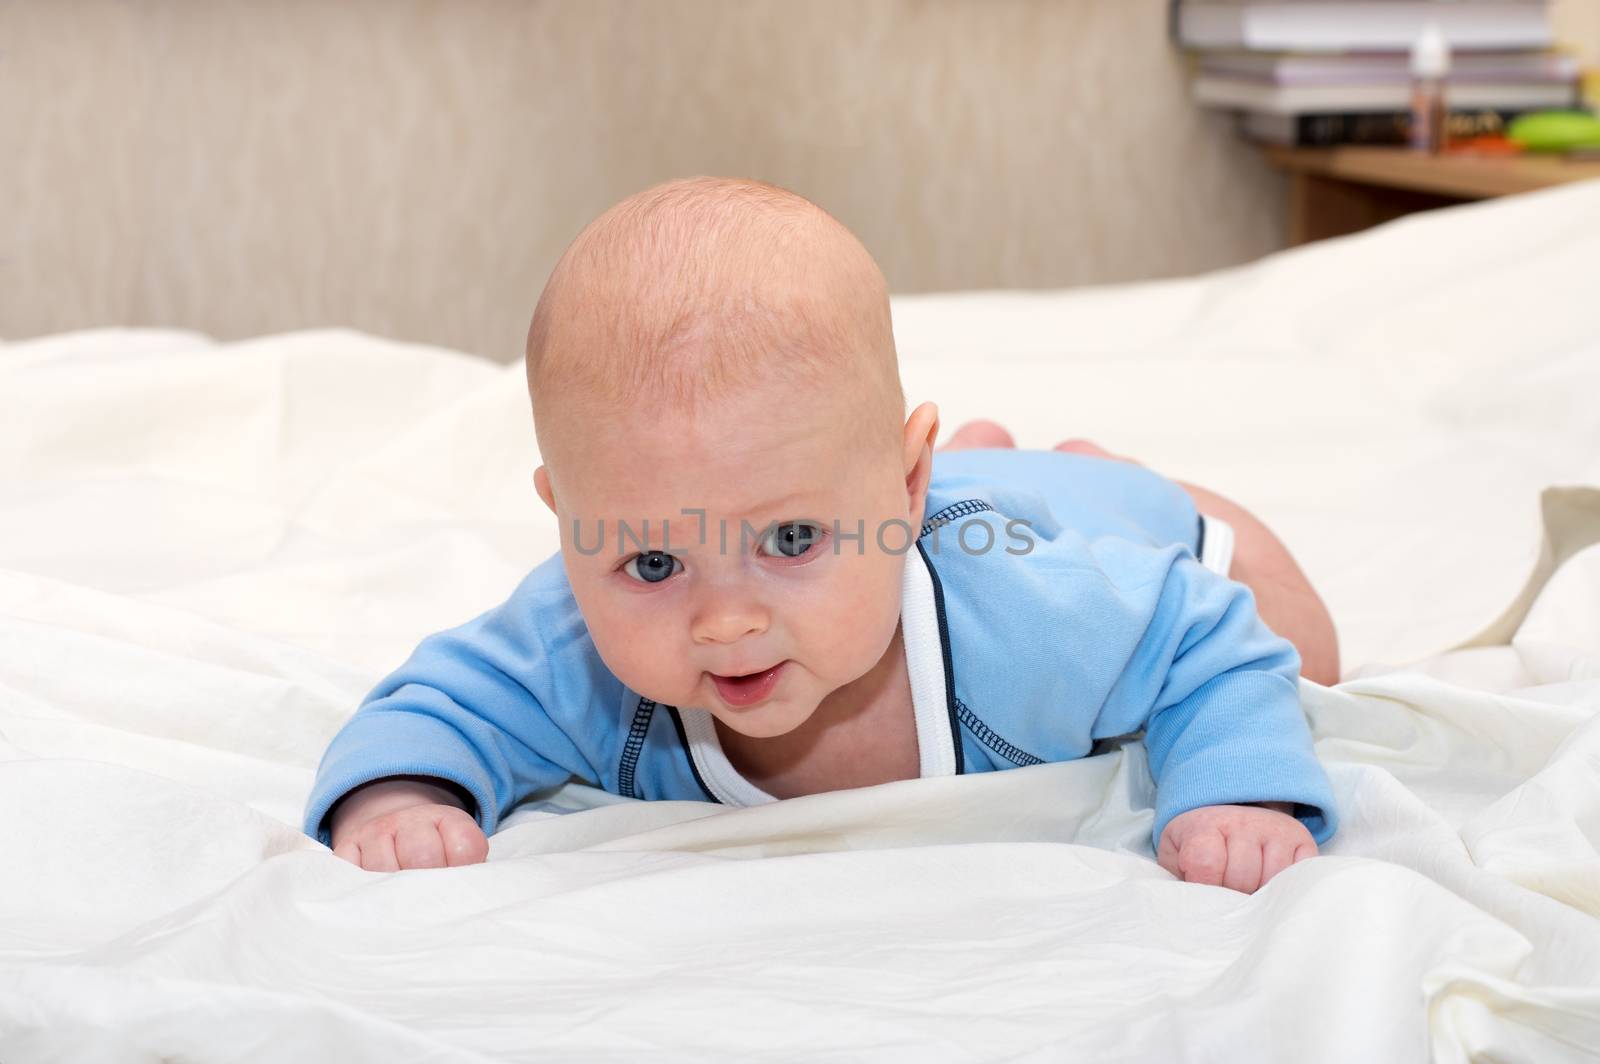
1216,692
472,705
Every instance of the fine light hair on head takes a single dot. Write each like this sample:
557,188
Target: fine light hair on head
690,291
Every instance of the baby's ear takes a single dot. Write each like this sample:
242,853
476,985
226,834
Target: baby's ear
922,429
541,484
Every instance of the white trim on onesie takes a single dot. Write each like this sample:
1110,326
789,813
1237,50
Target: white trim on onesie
1216,552
924,646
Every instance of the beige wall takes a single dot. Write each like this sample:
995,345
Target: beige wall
413,169
1578,25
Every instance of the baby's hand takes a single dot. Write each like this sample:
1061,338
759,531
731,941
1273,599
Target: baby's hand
394,824
1237,846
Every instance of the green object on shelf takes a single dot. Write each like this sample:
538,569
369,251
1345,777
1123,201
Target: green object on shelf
1556,130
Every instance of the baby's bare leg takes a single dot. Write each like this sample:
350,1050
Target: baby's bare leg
977,434
1285,599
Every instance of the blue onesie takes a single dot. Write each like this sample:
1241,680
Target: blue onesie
1098,617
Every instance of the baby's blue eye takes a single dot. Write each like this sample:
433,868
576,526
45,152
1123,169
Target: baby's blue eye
791,539
652,567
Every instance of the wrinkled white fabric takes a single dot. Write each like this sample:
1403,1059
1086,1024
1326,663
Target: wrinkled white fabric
208,552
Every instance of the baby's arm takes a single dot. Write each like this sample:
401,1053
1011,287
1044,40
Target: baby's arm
467,710
1239,791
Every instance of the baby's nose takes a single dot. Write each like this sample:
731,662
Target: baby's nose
727,618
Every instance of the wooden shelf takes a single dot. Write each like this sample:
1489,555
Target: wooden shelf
1334,191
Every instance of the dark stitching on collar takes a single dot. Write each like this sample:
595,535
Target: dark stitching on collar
992,739
953,511
632,748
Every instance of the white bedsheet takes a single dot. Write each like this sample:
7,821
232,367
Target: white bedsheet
208,552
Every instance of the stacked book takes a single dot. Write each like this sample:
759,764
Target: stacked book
1302,72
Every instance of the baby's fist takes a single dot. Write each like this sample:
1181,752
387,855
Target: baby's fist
405,822
1236,846
418,836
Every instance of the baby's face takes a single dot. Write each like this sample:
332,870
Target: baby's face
770,574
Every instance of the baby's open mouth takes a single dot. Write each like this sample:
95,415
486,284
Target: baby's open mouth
747,690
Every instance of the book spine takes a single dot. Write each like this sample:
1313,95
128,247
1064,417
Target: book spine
1390,127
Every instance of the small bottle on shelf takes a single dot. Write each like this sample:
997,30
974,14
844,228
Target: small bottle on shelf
1430,66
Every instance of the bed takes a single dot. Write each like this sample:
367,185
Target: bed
210,551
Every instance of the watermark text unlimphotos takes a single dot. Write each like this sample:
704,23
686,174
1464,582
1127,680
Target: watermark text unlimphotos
893,536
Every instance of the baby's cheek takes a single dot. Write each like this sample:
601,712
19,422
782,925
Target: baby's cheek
856,616
639,655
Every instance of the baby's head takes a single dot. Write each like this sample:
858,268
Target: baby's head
711,367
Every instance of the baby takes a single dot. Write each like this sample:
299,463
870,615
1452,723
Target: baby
770,586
